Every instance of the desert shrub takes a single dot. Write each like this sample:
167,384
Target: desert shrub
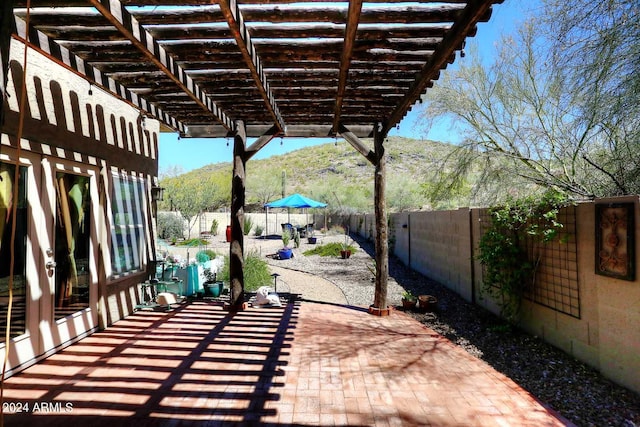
194,242
205,255
248,225
256,272
170,226
214,227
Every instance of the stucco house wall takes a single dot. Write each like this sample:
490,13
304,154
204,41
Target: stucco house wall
73,127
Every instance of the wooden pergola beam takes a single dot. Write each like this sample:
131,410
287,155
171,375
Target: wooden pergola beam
231,11
472,13
353,18
357,143
378,159
259,143
379,306
129,27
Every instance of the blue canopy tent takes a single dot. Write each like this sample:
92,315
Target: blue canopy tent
296,201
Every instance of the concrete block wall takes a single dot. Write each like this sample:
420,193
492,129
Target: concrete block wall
271,223
616,305
606,336
439,246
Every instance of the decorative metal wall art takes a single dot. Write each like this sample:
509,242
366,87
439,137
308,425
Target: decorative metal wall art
615,240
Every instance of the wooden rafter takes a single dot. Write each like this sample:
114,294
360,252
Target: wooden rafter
129,27
67,59
474,12
261,142
234,18
325,63
353,17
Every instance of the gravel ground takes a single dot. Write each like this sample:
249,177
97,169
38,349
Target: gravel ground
573,389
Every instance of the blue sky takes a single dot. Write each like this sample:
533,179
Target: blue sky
193,153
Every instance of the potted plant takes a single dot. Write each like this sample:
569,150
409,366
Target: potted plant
345,248
285,252
408,300
427,302
212,287
311,239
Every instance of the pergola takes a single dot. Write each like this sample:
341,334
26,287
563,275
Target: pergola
258,69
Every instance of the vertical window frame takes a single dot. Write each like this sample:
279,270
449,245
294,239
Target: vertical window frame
128,205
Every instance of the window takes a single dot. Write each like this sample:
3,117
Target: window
7,222
128,226
73,238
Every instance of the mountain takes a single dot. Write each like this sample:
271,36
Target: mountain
333,173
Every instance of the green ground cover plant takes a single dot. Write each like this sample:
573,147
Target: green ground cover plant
329,249
194,242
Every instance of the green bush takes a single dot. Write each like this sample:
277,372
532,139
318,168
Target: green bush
214,227
256,272
170,226
257,231
509,267
329,249
248,225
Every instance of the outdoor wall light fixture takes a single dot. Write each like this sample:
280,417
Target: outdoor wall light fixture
157,193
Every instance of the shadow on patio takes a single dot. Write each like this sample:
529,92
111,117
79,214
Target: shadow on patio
195,363
299,365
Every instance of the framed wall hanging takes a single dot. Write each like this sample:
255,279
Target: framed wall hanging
615,240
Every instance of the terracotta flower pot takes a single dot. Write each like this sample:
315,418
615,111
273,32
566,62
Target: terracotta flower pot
345,254
427,302
408,304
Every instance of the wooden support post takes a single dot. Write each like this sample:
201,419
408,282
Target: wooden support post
377,158
236,250
7,26
379,306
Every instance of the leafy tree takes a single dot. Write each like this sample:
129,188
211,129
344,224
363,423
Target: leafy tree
403,193
171,172
264,189
598,45
522,121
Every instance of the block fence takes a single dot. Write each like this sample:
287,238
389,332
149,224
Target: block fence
591,316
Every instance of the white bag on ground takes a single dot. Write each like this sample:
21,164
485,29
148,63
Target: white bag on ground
264,297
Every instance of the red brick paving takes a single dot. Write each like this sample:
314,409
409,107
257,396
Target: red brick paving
303,364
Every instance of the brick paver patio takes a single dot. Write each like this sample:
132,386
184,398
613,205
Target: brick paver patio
302,364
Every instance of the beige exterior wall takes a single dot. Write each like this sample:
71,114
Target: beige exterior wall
437,244
271,224
606,335
616,309
73,127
